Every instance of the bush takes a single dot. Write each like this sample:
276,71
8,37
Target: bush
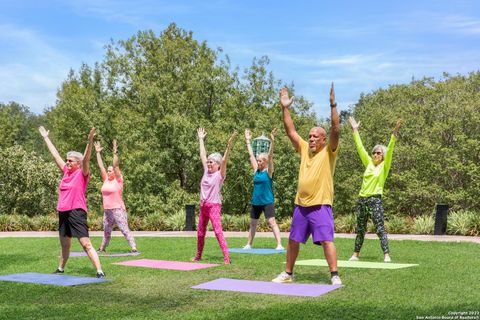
45,223
175,222
155,222
461,222
399,225
285,224
346,223
242,222
424,224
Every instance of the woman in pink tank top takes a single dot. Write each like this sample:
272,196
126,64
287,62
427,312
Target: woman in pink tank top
214,171
72,203
113,206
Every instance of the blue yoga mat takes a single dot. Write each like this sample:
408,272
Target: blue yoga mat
256,251
53,279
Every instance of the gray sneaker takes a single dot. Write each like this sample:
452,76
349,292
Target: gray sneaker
283,278
336,280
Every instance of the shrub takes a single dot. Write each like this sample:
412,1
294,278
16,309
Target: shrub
424,224
45,223
155,222
399,225
346,223
285,224
242,222
461,222
228,222
175,222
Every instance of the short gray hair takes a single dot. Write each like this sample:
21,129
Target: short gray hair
380,147
217,157
75,154
263,155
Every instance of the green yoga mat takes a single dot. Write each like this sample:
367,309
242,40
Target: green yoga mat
356,264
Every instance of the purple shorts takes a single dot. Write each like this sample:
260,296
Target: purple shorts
315,220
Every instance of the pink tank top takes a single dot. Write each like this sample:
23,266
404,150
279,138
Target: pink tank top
72,190
210,187
112,194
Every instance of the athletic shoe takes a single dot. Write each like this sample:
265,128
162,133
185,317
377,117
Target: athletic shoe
336,280
58,271
247,247
354,258
387,259
101,251
101,275
134,250
279,247
283,278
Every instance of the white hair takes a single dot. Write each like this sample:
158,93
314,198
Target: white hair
75,154
380,147
217,157
263,155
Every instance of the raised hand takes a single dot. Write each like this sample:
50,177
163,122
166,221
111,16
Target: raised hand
231,139
272,134
43,131
397,126
353,123
115,147
248,135
332,97
98,147
285,100
91,134
201,133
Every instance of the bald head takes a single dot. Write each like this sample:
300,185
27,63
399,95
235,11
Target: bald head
317,139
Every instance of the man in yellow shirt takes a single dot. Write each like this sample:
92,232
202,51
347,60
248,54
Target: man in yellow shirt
313,203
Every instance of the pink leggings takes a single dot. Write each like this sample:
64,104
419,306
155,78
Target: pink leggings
211,211
118,216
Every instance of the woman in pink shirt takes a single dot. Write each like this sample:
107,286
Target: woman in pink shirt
72,203
214,171
113,206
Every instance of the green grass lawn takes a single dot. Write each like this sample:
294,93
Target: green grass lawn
446,280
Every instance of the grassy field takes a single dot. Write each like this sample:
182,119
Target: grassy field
446,280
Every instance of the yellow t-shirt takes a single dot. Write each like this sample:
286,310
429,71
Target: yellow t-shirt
315,179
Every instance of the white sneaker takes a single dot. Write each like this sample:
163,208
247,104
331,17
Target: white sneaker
279,247
336,280
247,247
354,258
283,278
387,259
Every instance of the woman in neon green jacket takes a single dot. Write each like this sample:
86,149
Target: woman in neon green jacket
370,197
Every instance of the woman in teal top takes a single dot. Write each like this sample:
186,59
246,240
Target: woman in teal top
262,197
374,177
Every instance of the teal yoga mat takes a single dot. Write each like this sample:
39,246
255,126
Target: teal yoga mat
356,264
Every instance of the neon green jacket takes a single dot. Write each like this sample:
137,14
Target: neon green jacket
374,177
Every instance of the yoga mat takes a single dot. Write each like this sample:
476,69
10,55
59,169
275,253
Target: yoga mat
256,251
356,264
84,254
165,264
53,279
288,289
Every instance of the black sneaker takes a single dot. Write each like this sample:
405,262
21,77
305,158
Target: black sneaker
101,251
58,271
101,275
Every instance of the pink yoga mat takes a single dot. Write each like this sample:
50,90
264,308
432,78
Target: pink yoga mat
165,264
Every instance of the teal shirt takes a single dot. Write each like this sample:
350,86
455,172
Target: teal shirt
262,189
374,177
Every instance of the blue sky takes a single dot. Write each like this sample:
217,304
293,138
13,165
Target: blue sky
360,45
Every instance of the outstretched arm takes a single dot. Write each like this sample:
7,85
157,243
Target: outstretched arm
116,162
203,154
335,129
98,150
270,152
56,156
285,102
88,153
248,137
358,142
223,167
397,126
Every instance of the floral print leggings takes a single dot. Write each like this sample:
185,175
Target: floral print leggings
366,207
118,216
211,211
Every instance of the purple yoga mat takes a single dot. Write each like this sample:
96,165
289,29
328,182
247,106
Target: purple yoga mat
165,264
288,289
83,254
53,279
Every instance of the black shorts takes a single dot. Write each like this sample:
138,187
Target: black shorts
267,209
73,223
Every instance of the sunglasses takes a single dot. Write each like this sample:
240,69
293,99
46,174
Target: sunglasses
70,161
377,152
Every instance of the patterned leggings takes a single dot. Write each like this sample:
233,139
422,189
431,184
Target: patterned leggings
365,207
211,211
118,216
